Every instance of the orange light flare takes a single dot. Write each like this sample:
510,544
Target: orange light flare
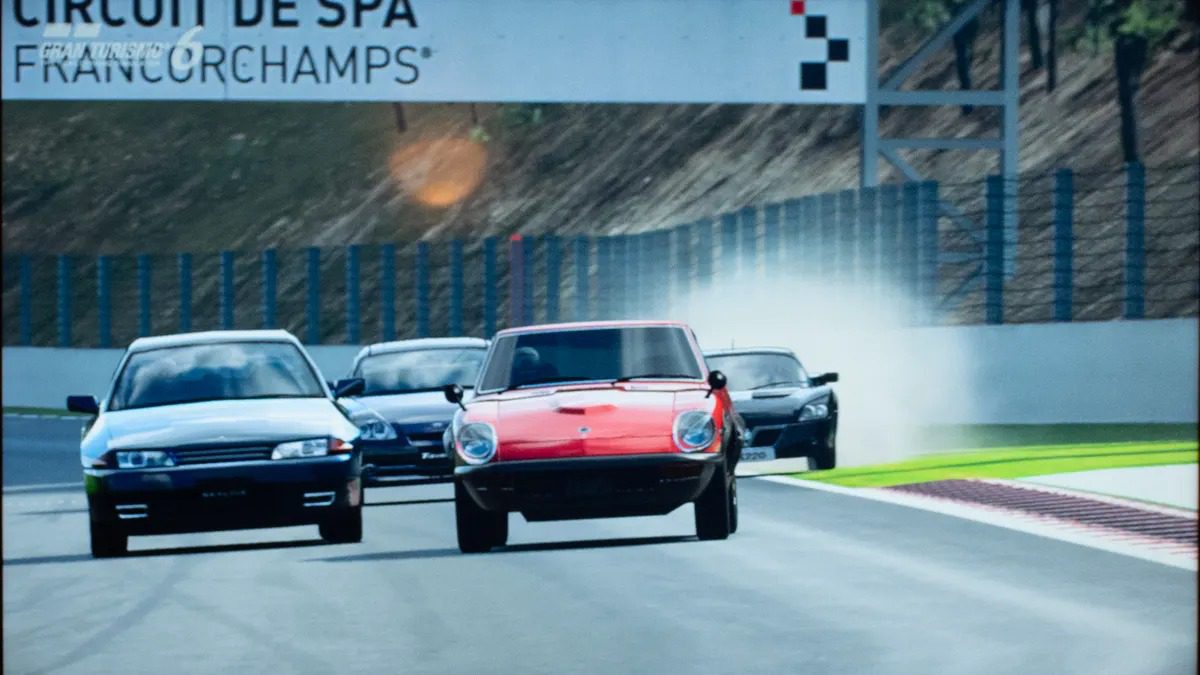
439,172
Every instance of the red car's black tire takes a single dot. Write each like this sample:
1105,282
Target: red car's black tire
478,530
345,528
107,542
712,509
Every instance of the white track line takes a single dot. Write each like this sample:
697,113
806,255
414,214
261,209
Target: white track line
43,487
1042,526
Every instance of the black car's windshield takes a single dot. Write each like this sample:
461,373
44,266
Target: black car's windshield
759,371
207,372
590,354
419,370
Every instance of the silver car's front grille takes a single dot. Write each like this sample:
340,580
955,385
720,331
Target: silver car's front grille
209,455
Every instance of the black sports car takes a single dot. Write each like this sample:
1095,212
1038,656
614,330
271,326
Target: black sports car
219,431
787,412
402,412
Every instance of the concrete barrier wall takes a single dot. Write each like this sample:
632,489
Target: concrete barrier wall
1102,372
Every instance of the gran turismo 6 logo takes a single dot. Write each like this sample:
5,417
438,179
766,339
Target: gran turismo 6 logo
814,75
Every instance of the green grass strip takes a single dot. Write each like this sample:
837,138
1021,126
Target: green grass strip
1011,463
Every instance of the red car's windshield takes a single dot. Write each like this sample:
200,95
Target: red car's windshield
591,354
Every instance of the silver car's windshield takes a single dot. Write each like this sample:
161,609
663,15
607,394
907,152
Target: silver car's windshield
419,370
208,372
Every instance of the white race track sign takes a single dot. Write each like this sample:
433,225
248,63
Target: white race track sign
604,51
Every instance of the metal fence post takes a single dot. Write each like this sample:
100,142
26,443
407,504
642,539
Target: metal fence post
604,278
582,270
387,290
1135,241
456,288
748,241
528,262
185,292
847,220
25,267
728,267
772,251
790,251
227,290
64,301
352,295
908,240
889,231
683,260
994,268
704,253
269,267
422,284
1064,217
827,219
867,262
144,274
553,274
314,296
104,308
620,267
489,287
927,236
516,281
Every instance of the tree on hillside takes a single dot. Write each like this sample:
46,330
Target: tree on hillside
1136,29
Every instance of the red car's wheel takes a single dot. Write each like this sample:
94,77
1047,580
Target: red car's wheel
713,509
478,530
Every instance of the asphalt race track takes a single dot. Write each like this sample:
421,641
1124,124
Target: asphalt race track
812,583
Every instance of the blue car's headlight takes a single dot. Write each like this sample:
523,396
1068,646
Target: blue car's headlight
372,427
143,459
694,430
476,443
816,410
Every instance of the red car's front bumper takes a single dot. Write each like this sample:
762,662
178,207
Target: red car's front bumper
591,487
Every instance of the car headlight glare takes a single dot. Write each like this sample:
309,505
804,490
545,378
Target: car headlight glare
374,428
312,447
816,410
476,443
143,459
694,430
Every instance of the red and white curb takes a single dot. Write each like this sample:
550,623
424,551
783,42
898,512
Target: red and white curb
1173,554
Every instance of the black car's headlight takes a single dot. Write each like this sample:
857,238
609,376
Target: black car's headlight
312,447
476,443
817,410
694,430
142,459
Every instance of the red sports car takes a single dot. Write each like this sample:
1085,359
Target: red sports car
593,420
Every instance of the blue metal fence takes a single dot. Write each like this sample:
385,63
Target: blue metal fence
896,236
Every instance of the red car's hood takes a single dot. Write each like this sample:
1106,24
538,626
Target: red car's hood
588,420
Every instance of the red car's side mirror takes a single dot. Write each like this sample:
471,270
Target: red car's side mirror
716,381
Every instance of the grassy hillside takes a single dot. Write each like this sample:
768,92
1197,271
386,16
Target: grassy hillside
158,177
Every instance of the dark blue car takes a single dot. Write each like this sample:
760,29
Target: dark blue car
402,412
217,431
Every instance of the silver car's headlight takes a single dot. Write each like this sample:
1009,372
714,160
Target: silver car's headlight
816,410
312,447
476,443
143,459
694,430
373,427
